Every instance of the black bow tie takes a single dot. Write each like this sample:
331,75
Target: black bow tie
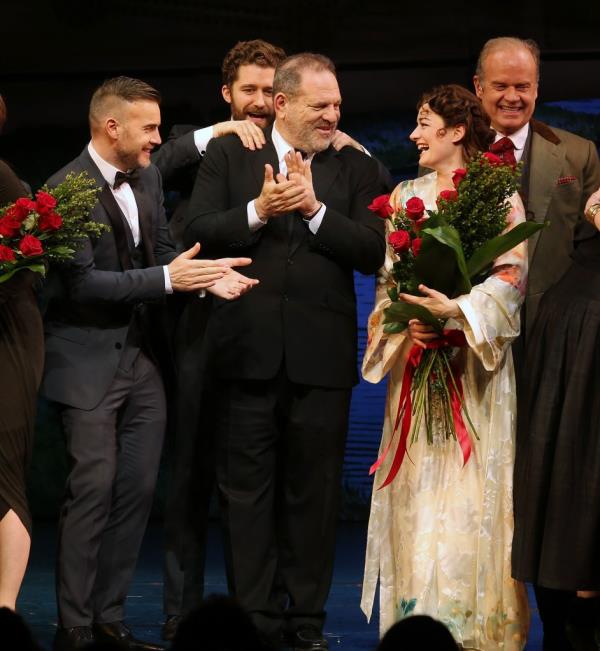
131,177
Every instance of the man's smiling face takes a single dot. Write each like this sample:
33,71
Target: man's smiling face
251,94
508,88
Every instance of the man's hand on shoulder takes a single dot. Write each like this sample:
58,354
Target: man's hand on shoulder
341,139
250,134
278,195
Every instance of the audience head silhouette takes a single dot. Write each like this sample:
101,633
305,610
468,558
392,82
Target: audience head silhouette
218,624
417,633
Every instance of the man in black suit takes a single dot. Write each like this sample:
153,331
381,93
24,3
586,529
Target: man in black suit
100,362
286,356
248,70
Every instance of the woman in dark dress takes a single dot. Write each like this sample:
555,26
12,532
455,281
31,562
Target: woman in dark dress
556,542
21,360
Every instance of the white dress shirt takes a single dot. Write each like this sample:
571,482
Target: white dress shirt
126,201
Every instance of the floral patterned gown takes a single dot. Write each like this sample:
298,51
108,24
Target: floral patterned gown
440,534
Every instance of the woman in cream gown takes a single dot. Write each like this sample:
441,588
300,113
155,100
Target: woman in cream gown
440,534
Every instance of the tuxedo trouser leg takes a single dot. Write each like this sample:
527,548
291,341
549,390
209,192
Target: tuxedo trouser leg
554,607
92,449
246,467
186,524
191,464
140,434
312,457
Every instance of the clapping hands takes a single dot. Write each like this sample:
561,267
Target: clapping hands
281,195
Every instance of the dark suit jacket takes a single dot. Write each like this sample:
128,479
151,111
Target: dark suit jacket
303,311
562,171
93,297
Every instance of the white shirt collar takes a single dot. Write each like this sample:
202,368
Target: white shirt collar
281,146
107,170
519,137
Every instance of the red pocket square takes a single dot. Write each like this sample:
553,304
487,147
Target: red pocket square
563,180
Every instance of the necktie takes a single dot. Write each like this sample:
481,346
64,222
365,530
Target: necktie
505,149
130,177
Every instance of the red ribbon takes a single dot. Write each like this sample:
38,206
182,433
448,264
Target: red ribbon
450,338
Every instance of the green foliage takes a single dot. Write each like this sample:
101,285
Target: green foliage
75,198
479,213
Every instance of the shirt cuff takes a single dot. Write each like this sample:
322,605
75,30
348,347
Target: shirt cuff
201,139
254,221
315,222
168,286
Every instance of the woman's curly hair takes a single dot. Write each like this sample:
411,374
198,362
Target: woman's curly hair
458,106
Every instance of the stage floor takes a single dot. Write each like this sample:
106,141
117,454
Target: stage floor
346,626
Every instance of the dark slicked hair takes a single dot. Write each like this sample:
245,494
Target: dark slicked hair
245,53
288,75
125,89
458,106
502,42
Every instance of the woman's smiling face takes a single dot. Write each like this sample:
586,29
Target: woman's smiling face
436,143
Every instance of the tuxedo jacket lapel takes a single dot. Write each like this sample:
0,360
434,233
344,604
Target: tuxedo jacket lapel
325,167
145,221
111,209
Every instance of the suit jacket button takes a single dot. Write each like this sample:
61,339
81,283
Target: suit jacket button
118,345
290,261
285,297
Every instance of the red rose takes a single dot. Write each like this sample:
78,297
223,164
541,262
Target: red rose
30,246
381,206
45,203
447,195
415,208
6,254
458,176
50,222
9,225
416,246
400,241
492,159
23,207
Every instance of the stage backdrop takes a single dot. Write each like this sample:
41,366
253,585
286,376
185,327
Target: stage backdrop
386,136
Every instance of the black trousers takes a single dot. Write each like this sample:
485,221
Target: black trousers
114,451
280,449
191,462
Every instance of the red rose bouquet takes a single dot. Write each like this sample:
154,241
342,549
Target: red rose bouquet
35,232
448,249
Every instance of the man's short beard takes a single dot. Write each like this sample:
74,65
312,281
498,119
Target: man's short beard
128,159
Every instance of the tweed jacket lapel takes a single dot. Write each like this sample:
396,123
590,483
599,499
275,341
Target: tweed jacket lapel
545,164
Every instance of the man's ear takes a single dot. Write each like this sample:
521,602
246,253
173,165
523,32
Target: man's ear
280,104
478,86
112,128
226,92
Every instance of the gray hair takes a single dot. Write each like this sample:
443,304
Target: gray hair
505,42
288,74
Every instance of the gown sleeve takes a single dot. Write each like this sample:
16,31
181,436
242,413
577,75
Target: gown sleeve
490,312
